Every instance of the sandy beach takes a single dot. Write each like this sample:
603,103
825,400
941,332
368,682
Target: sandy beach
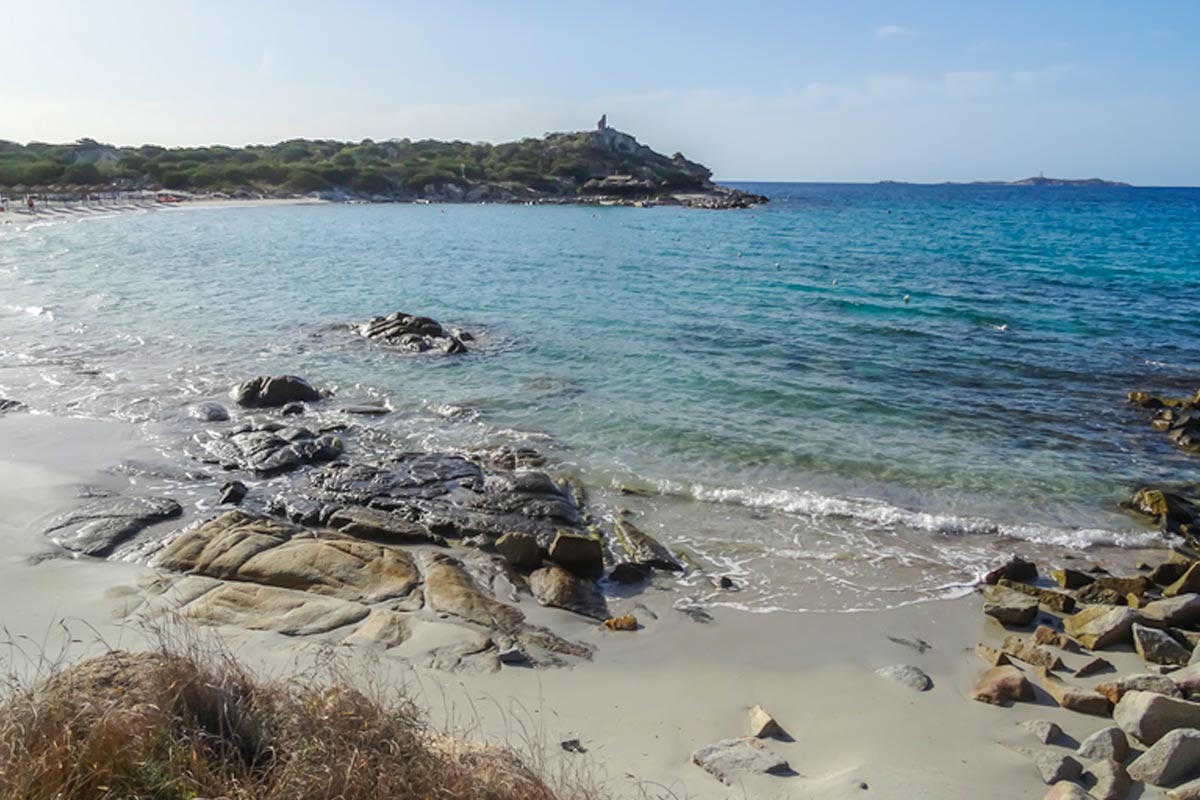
639,708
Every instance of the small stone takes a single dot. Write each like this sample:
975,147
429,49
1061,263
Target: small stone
1158,647
730,758
1093,667
764,726
1031,654
1106,743
1173,758
1009,607
1054,766
1071,578
1043,730
521,550
1148,717
233,493
626,623
1045,635
906,674
1003,685
1110,781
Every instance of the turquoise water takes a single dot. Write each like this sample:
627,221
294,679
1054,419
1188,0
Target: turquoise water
761,369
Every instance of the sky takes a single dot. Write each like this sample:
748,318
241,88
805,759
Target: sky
770,90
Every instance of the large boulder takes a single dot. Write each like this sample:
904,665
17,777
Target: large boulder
1008,606
1157,647
1183,609
1148,717
1173,758
1097,627
729,759
557,587
521,550
413,333
268,448
98,527
580,554
272,392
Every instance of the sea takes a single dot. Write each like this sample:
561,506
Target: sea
853,397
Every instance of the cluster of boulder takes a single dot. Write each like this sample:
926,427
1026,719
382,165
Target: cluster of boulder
414,333
1052,653
1175,512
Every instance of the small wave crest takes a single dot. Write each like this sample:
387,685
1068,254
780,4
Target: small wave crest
882,515
33,311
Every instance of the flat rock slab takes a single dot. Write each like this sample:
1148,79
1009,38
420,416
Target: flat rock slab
906,675
1009,606
269,448
267,608
730,758
1100,626
98,527
452,496
555,586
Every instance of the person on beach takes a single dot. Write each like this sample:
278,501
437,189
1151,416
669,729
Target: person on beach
29,201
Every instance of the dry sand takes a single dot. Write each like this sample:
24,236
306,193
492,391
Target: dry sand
640,708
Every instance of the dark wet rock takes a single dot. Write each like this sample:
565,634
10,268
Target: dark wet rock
579,554
1096,594
300,510
412,333
694,612
364,409
1071,578
272,392
729,759
452,496
293,409
381,526
919,646
7,406
1173,512
628,573
727,583
521,550
1009,607
1158,647
1015,569
1170,570
510,458
268,448
98,527
643,549
233,493
557,587
209,412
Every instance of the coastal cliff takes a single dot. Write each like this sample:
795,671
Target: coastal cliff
603,166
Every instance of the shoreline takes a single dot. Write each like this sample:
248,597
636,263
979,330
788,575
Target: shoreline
630,706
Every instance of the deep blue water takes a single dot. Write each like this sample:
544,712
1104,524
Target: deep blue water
763,359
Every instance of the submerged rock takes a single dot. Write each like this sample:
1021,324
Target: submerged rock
272,392
209,412
642,549
11,405
413,333
233,493
99,526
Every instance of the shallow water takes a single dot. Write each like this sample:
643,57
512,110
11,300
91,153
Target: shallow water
796,421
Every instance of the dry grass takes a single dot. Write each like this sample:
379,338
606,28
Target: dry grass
186,724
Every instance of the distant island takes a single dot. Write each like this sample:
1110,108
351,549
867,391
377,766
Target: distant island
603,166
1039,180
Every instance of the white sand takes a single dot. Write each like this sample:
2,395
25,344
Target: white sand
646,701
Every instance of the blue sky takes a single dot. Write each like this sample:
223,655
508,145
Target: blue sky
855,91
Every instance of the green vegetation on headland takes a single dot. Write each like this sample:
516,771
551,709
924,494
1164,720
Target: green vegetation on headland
603,165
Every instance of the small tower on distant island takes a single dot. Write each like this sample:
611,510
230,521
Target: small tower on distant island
602,125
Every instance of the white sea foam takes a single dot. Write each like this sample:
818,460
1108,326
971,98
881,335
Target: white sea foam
882,515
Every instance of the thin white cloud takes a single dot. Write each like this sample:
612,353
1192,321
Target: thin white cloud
896,32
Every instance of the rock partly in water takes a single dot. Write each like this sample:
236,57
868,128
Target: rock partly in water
98,527
209,412
906,675
642,549
730,758
1173,758
1002,686
1015,569
1071,578
1009,607
233,493
268,448
272,392
413,333
1148,717
1104,744
557,587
